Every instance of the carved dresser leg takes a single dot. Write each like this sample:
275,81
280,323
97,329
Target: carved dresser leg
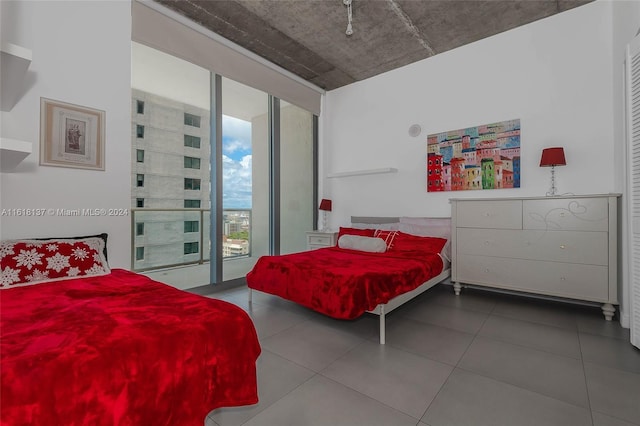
608,310
456,288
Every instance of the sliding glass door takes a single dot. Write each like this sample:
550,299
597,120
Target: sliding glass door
222,173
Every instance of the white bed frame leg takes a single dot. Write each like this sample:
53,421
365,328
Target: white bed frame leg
382,325
456,288
250,296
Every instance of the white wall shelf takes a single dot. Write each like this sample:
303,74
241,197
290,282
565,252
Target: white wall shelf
14,62
363,172
12,152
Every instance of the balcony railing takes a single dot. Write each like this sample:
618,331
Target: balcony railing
166,238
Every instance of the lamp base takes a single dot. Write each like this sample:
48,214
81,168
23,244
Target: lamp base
553,191
324,222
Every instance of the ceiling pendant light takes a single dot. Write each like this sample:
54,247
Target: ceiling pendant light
349,15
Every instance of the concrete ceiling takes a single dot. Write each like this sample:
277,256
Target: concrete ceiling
307,37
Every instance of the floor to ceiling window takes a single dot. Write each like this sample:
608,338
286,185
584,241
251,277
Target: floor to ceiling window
296,177
170,193
245,183
175,178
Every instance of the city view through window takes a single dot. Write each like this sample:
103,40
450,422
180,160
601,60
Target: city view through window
172,174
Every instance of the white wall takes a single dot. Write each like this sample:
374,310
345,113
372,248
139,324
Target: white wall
555,75
81,55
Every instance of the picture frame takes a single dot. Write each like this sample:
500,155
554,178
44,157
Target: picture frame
71,135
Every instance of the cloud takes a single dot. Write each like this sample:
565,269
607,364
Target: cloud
236,135
236,182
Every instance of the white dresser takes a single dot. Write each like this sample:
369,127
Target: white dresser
319,239
558,246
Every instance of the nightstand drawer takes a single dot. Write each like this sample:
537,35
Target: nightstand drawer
319,239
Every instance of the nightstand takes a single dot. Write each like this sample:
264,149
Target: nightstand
319,239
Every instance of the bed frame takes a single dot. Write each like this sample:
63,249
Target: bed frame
384,308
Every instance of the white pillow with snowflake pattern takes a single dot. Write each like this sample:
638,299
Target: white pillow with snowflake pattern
26,262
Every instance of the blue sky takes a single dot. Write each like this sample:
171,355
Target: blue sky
236,163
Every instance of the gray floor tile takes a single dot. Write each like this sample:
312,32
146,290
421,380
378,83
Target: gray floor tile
592,321
538,311
542,372
614,392
445,316
311,344
469,299
469,399
611,352
210,422
366,326
537,336
600,419
269,320
397,378
431,341
276,378
322,402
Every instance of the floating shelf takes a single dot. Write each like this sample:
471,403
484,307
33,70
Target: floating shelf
12,152
363,172
14,62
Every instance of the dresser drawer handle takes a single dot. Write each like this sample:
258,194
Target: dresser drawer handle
563,279
562,246
486,243
486,270
487,214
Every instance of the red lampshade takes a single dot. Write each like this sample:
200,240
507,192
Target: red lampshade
325,205
553,157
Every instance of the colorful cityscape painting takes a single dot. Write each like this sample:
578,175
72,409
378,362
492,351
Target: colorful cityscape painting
483,157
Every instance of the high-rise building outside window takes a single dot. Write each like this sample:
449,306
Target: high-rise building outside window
191,226
191,120
192,141
191,163
191,248
191,183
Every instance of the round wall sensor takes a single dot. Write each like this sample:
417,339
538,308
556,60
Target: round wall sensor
415,130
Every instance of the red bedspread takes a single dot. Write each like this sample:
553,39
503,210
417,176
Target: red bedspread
121,349
342,283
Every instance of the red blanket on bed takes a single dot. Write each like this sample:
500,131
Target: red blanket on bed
343,283
121,349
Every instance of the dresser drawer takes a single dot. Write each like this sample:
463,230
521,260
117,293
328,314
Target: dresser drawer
579,214
496,214
559,246
575,281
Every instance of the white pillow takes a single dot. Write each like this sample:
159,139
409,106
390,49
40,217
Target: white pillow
357,242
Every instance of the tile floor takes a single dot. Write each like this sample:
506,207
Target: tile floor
478,359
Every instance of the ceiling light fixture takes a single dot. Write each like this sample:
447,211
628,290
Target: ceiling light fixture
349,16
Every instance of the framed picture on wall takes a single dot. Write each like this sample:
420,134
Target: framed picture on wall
71,135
